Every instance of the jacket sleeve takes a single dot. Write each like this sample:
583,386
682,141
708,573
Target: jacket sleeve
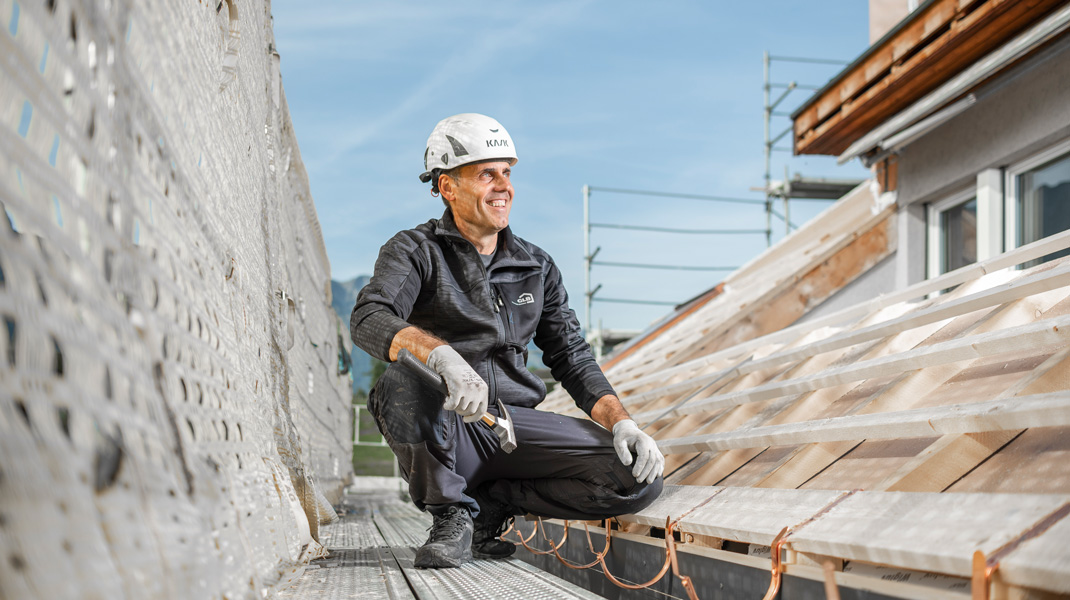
385,303
564,349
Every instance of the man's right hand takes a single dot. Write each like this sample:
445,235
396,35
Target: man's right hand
649,461
467,392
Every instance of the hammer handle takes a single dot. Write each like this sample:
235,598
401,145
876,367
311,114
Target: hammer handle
433,378
425,372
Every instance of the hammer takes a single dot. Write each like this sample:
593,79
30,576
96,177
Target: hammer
502,426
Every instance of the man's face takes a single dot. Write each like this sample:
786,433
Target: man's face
481,198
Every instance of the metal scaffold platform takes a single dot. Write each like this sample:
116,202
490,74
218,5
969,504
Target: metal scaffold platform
371,552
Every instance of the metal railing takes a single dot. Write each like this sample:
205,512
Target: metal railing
589,256
381,443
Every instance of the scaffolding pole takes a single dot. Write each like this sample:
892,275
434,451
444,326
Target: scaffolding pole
769,142
769,146
587,258
595,337
768,151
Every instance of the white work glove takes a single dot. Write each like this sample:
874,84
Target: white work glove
649,462
467,392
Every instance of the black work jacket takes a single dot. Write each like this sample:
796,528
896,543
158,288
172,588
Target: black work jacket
433,278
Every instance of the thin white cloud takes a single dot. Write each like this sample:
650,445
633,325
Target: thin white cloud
486,50
617,94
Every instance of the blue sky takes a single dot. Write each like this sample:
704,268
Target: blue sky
662,96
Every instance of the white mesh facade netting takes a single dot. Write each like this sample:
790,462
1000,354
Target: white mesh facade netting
174,418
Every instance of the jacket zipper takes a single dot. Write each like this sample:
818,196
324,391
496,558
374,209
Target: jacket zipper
503,312
495,301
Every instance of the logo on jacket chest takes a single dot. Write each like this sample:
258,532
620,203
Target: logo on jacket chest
523,299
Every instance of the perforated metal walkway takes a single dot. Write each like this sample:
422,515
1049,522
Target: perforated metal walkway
372,548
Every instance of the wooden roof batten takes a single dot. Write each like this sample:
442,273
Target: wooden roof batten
813,245
923,431
938,40
909,347
896,437
916,292
1041,334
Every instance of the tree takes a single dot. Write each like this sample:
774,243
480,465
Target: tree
375,371
360,395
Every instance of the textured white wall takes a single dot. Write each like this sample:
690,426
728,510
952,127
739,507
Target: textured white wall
1017,114
170,404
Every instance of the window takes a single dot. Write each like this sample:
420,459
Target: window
1008,207
1038,199
952,233
1044,203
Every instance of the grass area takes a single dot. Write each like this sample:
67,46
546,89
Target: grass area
371,460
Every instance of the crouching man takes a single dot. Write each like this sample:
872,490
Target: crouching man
465,295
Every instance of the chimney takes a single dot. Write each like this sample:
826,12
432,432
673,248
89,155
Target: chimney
886,14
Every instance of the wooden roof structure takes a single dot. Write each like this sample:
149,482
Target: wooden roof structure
940,39
907,431
920,436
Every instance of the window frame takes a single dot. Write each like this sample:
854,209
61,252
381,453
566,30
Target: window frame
1012,193
934,249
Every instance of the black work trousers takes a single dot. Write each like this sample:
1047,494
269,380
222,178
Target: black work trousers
563,467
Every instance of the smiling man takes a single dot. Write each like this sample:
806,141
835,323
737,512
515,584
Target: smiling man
466,296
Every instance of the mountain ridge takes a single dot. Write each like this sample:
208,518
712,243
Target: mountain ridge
343,298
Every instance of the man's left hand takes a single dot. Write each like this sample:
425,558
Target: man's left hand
649,461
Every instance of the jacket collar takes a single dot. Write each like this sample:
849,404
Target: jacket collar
509,252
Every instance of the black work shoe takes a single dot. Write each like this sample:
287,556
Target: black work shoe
450,542
492,520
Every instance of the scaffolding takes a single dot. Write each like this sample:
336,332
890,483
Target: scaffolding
601,338
798,187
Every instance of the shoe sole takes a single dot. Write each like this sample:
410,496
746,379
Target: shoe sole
436,561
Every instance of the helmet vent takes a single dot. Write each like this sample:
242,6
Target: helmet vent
458,149
464,139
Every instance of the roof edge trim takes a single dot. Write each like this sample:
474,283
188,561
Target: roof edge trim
1053,25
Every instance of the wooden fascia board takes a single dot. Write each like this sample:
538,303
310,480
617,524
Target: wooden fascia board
886,83
887,98
874,62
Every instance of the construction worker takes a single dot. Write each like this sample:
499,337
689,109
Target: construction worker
465,295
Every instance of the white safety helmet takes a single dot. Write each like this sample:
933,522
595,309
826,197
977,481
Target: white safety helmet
466,138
